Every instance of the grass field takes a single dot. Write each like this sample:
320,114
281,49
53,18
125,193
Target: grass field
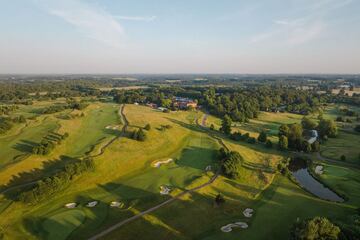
125,173
15,145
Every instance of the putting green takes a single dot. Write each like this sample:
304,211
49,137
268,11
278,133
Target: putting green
59,226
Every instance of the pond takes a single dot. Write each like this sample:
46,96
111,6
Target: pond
307,181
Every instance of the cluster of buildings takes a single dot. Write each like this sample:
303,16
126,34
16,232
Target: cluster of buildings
184,103
177,103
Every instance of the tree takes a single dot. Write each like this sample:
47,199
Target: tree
308,123
141,136
306,146
317,228
219,199
212,127
147,127
315,146
268,143
262,137
327,127
343,158
284,130
283,142
226,125
231,164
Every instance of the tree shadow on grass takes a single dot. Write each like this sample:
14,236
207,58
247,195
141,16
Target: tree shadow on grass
25,180
197,157
25,146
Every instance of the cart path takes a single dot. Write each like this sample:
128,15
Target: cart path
139,215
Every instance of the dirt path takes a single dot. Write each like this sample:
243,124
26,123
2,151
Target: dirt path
139,215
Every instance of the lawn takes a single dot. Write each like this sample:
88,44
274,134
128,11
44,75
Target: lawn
60,225
346,144
15,145
124,172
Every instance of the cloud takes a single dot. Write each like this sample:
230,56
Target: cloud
306,33
311,25
91,20
137,18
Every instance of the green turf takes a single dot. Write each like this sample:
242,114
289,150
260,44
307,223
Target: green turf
13,147
346,144
125,173
59,226
92,130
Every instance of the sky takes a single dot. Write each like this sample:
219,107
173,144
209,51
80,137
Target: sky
179,36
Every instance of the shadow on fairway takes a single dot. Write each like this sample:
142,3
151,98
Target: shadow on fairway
25,146
11,191
197,157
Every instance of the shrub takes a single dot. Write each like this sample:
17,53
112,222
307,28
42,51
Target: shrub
262,137
283,142
147,127
343,158
268,143
219,199
251,140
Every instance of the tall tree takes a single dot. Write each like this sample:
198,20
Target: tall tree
226,125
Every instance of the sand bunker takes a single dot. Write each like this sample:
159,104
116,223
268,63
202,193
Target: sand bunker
164,190
208,168
116,204
248,212
158,163
112,127
229,227
319,169
92,204
70,205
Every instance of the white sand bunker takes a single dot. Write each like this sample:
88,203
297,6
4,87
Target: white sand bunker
319,169
92,204
208,168
164,190
158,163
229,227
117,204
112,127
70,205
248,212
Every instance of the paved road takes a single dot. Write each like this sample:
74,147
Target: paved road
139,215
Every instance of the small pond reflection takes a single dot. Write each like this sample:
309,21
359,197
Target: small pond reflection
301,174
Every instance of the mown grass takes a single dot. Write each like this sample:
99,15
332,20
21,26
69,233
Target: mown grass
20,143
344,144
124,173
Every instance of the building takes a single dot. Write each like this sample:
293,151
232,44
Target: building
184,103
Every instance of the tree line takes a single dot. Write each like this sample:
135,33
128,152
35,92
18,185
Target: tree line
46,187
6,123
48,143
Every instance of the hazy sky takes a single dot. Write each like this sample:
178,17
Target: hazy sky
180,36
